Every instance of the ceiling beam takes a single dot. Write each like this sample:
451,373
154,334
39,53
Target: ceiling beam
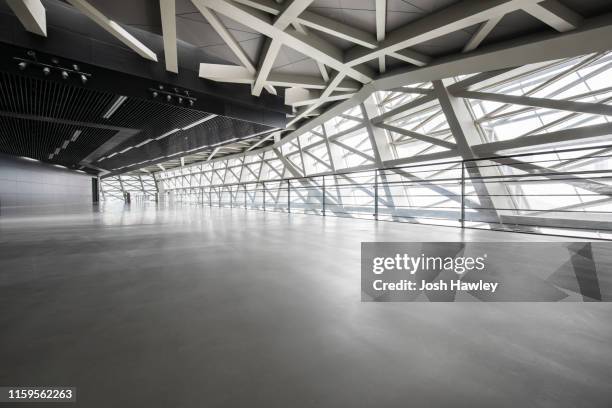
337,29
323,71
226,36
446,21
325,94
345,31
309,45
321,100
31,14
290,12
229,40
320,23
167,9
483,31
273,46
114,29
226,73
593,36
411,57
308,82
267,6
381,29
555,14
240,75
268,56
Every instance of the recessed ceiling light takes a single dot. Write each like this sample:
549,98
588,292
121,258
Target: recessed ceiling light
111,110
196,123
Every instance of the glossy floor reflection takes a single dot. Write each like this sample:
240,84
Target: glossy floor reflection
207,307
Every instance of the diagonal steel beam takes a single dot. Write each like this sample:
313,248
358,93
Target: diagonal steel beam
309,45
273,46
404,108
555,14
229,40
464,130
381,29
483,31
31,14
418,136
557,104
558,137
168,19
114,29
566,177
446,21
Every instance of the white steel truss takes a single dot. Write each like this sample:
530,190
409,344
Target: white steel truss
142,187
431,150
347,72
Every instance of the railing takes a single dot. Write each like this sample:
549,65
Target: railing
564,192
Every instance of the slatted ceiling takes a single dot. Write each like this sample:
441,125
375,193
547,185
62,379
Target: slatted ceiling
153,118
38,139
44,102
78,150
140,113
210,132
203,155
34,96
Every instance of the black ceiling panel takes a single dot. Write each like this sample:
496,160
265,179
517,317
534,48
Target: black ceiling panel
38,115
40,139
38,97
218,130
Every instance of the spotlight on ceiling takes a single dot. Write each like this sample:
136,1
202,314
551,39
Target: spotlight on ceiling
179,96
66,72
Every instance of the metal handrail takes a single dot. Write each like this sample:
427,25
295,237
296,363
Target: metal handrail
314,194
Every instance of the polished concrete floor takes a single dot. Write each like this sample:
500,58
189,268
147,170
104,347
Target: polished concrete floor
207,307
